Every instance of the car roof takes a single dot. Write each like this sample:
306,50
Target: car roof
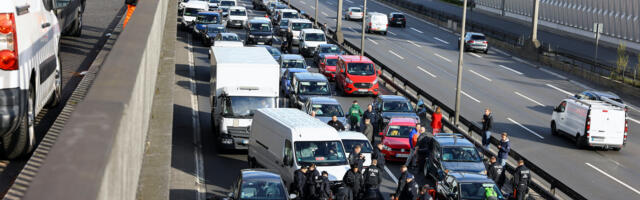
465,177
296,70
403,121
474,33
324,100
237,7
260,20
352,135
196,4
292,20
376,13
291,57
312,30
396,13
249,174
393,98
355,58
603,94
354,7
331,56
209,13
289,10
452,139
310,76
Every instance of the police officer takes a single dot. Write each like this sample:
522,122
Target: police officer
496,172
353,180
372,180
521,179
378,155
336,124
410,190
424,144
299,180
310,186
324,189
356,157
402,181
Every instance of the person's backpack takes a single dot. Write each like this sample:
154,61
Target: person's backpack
490,194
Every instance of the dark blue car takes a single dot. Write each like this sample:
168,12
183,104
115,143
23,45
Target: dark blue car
204,19
210,33
285,82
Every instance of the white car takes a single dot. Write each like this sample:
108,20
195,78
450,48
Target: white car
213,5
350,139
592,123
227,40
353,13
295,26
237,16
30,74
310,39
190,12
377,22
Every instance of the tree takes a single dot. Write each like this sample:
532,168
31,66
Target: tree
621,62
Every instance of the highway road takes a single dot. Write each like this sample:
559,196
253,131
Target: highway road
521,97
76,54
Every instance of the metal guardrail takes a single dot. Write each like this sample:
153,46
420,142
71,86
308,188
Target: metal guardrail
466,127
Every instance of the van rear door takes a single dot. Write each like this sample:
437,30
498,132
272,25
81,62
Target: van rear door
607,126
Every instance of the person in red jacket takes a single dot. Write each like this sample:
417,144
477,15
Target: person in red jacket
436,121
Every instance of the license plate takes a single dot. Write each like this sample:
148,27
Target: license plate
260,42
245,141
398,22
597,139
402,155
363,90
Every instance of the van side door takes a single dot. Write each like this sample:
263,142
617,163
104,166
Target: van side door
561,116
286,165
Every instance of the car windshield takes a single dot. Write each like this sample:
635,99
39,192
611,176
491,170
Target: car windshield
313,88
399,131
290,15
214,1
397,106
238,12
230,38
460,154
238,106
329,49
362,69
192,11
224,9
399,16
208,19
322,153
356,10
477,190
314,37
478,37
281,6
327,110
284,23
260,27
262,189
228,3
332,62
215,29
273,51
293,64
349,145
300,26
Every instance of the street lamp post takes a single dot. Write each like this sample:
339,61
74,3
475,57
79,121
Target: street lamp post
364,15
461,47
338,35
316,17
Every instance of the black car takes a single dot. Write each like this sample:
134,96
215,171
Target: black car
210,32
454,153
326,49
390,106
259,31
397,19
259,184
282,28
305,85
69,13
460,185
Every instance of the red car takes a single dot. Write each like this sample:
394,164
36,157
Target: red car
328,66
395,138
356,75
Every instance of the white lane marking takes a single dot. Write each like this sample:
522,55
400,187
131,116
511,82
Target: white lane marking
195,118
391,174
352,29
480,75
553,73
613,178
512,70
501,52
413,43
524,61
330,3
444,29
561,90
425,71
470,97
534,101
525,128
349,1
581,85
313,7
325,14
416,30
395,54
249,10
475,55
634,120
391,33
436,38
443,58
302,2
372,41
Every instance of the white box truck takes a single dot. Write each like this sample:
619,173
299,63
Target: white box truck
243,79
285,139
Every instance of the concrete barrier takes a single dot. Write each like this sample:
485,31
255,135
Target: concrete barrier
99,153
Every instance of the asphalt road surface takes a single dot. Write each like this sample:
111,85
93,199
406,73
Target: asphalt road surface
520,96
76,54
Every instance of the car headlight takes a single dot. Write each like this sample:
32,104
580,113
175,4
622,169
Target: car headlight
483,172
385,147
375,81
251,36
348,80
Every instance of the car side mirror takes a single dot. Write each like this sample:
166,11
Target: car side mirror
379,72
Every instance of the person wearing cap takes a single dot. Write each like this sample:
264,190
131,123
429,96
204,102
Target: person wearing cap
299,180
424,193
353,180
410,190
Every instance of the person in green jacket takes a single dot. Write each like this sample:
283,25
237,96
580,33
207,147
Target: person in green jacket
355,113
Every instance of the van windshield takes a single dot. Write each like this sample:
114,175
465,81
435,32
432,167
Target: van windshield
293,64
228,3
460,154
315,37
349,145
332,62
360,69
238,12
260,27
207,19
290,15
327,110
322,153
192,11
313,88
300,26
239,106
397,106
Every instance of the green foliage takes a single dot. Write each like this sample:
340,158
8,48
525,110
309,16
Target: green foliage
621,63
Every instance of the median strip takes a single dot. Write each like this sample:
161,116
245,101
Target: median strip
613,178
395,54
416,30
425,71
534,101
512,70
561,90
525,128
480,75
442,57
436,38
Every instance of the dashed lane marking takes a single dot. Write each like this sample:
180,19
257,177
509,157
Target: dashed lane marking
480,75
512,70
534,101
475,55
443,58
553,74
372,41
395,54
525,128
441,40
416,30
414,44
391,174
470,97
425,71
613,178
561,90
325,14
391,33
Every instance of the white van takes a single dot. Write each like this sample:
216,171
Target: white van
310,39
377,22
30,75
237,16
351,138
284,139
190,12
591,123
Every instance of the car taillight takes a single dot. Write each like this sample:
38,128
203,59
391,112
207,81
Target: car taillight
484,42
471,41
626,129
588,124
404,19
350,13
8,42
393,19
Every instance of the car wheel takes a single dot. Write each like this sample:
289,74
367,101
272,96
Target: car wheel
554,130
56,97
486,51
616,148
76,30
22,141
580,141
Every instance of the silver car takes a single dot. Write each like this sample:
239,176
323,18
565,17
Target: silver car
354,13
475,42
325,108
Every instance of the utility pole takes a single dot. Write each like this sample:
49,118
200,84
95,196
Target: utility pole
534,21
461,47
339,36
364,15
597,28
504,3
316,17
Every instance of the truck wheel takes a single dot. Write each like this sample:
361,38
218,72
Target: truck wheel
21,142
554,130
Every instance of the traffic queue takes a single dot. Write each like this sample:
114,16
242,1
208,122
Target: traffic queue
300,143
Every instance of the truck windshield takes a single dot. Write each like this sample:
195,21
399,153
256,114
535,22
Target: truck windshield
399,131
360,69
192,11
300,26
397,106
214,1
313,88
327,110
238,12
207,19
350,144
238,106
322,153
460,154
314,37
477,191
293,64
259,27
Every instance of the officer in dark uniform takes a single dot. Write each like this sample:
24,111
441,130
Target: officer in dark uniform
324,189
410,190
496,172
356,157
372,181
402,180
378,155
521,179
299,180
336,124
312,178
353,180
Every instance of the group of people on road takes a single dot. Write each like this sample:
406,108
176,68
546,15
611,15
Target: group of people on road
309,184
